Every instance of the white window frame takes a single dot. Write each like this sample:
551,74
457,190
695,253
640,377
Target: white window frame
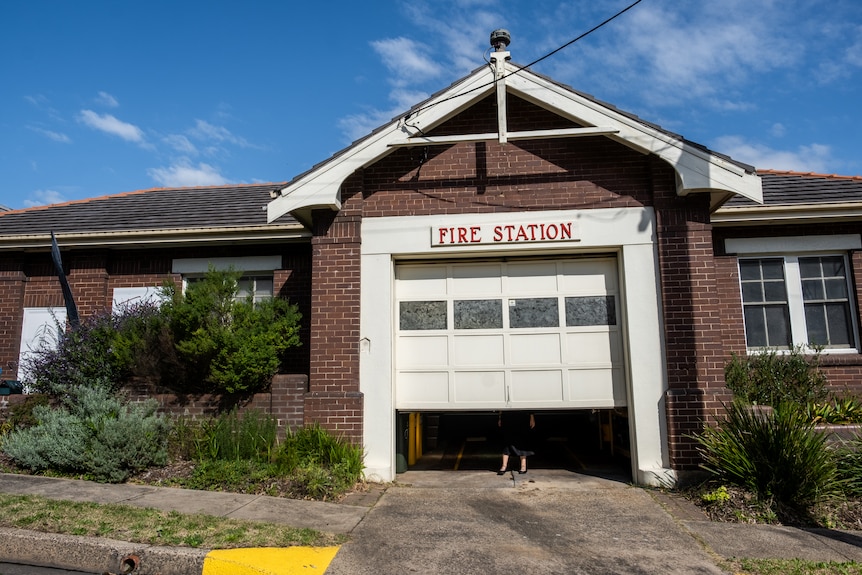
790,249
252,268
124,297
38,331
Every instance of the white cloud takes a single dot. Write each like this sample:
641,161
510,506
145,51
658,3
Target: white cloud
778,130
43,198
111,125
38,100
207,132
181,144
51,135
183,173
456,32
107,100
806,158
680,52
853,53
407,59
449,43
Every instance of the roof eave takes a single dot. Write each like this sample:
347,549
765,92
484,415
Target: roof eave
787,214
160,238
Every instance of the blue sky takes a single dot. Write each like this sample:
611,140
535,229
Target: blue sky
104,97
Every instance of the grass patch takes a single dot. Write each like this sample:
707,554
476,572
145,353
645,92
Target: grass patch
792,567
151,526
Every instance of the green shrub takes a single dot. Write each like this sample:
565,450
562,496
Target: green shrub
836,411
771,378
321,464
776,455
232,346
231,437
849,461
93,433
20,415
198,341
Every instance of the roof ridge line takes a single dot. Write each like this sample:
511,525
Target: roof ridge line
807,174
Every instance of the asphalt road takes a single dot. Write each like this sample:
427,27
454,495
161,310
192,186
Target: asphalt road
16,569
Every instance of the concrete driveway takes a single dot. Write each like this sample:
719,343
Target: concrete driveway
547,521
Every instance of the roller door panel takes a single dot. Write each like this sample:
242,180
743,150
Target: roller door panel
531,333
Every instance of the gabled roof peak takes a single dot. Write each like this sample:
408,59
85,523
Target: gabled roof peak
698,169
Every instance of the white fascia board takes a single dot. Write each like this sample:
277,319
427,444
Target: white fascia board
322,186
244,264
697,170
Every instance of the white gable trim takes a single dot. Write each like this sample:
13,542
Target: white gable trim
697,170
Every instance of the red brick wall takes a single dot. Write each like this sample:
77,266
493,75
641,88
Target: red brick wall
11,315
284,402
487,177
88,279
28,280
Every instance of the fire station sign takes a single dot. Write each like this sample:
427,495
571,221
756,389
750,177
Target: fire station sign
483,234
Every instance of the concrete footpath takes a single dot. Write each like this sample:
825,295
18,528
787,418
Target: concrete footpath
547,521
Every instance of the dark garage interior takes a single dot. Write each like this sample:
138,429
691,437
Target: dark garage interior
588,441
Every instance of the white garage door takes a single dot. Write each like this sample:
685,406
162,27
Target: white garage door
537,334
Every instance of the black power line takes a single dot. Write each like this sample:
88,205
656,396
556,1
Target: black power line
534,62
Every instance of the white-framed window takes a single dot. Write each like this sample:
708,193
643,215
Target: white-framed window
39,330
130,296
259,287
257,273
797,292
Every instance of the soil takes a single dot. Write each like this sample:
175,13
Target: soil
740,506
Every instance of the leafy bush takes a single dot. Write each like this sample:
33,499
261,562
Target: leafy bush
321,463
20,415
92,433
310,463
232,346
200,341
777,455
771,378
104,351
231,437
849,461
837,411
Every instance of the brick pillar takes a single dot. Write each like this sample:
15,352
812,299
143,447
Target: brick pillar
12,284
333,399
692,322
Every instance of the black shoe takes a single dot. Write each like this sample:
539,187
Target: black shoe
501,471
522,471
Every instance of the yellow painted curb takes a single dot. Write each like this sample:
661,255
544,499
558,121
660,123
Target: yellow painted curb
268,560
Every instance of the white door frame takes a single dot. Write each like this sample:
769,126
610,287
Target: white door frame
627,232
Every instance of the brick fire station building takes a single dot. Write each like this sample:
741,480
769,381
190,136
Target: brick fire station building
510,243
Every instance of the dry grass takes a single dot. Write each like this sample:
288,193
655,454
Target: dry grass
150,526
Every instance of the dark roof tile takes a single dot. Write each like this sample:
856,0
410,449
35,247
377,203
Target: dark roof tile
149,210
789,188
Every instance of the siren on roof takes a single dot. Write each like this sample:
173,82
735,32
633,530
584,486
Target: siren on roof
500,39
